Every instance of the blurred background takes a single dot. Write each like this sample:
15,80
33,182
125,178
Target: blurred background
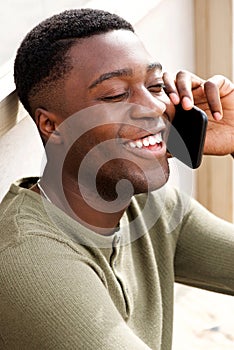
196,35
151,17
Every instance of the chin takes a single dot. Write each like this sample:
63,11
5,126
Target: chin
152,180
138,180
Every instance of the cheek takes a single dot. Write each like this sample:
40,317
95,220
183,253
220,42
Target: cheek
95,146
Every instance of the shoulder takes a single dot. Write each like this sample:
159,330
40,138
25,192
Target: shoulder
26,217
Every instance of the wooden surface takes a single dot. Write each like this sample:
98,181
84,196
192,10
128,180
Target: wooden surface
215,55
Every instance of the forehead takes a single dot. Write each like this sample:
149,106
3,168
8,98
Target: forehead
108,52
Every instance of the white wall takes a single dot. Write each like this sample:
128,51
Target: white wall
168,33
20,154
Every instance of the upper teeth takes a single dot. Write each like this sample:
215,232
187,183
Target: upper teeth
146,141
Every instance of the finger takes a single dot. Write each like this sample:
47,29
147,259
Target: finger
211,87
170,88
184,87
187,83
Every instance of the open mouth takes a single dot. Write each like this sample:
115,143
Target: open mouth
147,142
148,146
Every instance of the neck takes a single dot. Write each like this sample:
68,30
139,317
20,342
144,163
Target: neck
90,215
92,211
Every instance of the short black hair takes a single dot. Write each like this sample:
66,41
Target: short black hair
41,57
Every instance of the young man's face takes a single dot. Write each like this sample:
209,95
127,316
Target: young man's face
119,90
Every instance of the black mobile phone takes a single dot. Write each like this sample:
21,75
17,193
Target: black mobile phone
187,136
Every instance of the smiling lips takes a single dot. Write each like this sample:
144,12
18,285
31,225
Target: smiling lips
147,142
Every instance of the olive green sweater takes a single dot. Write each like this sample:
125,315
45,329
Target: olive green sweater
65,287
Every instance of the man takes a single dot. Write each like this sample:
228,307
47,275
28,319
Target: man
89,253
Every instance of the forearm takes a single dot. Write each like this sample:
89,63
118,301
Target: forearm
205,252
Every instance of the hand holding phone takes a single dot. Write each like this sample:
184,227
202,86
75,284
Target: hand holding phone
187,136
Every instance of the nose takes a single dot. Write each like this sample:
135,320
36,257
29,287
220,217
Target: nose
145,105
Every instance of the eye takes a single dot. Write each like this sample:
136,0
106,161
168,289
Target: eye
115,98
156,88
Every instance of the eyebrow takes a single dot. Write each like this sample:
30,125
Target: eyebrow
109,75
154,66
121,73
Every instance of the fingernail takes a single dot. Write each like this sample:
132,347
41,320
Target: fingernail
187,103
217,116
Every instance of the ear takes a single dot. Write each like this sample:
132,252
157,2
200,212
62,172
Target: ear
47,123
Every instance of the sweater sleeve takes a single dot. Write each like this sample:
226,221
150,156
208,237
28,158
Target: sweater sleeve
204,255
50,299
